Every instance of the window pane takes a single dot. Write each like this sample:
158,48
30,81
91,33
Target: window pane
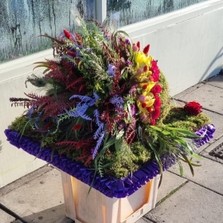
124,12
22,22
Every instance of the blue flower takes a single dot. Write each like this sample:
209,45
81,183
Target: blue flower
111,70
117,101
82,107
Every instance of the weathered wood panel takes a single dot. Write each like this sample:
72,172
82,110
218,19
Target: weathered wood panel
23,21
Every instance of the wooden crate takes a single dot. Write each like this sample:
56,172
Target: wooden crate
83,206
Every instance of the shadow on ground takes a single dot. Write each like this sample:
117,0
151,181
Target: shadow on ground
51,215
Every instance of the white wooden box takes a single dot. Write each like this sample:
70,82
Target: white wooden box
83,206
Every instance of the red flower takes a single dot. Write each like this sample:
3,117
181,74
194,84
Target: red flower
157,103
155,71
193,108
156,114
156,89
152,122
146,49
67,34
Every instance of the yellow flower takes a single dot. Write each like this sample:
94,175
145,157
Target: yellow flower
141,59
144,77
145,102
149,100
147,86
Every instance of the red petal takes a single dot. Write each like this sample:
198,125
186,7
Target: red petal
146,49
143,104
67,33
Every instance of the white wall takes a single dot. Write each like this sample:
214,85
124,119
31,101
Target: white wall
15,163
188,44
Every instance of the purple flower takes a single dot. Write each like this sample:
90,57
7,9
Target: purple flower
127,41
128,62
133,90
82,107
117,101
30,112
99,133
111,70
98,144
133,110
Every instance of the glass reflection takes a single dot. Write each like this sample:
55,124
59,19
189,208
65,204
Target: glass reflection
124,12
23,22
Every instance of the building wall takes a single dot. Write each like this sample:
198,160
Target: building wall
188,43
15,163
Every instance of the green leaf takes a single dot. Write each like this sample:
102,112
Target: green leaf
180,168
185,159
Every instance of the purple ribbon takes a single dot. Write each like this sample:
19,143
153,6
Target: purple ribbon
206,133
108,185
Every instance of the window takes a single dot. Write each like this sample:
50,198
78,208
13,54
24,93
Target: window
23,22
124,12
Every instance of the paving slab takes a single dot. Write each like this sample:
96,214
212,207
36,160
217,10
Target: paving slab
5,218
170,183
144,220
53,215
216,81
210,174
39,200
209,96
206,152
192,203
189,90
25,180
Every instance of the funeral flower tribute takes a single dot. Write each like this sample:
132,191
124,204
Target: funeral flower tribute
106,116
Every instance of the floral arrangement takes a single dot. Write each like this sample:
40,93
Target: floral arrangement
106,109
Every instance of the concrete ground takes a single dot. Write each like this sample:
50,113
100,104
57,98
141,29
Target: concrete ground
38,197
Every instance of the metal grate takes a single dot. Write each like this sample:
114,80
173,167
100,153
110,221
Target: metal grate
217,151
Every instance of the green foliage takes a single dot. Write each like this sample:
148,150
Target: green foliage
178,117
141,154
23,125
119,159
165,97
172,140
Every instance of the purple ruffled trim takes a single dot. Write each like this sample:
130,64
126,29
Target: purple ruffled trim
109,186
206,133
